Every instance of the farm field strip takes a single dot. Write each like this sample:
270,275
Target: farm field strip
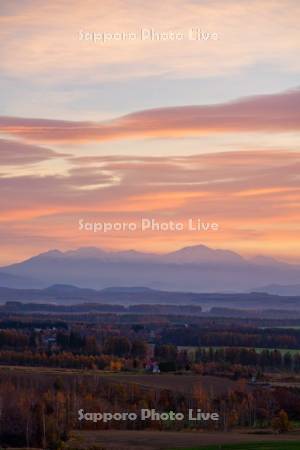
185,440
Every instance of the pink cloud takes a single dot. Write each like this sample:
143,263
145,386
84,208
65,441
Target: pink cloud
16,153
265,113
254,195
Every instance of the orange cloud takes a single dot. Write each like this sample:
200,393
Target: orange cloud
253,195
264,113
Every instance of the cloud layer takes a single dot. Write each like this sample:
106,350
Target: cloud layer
265,113
253,195
16,153
41,39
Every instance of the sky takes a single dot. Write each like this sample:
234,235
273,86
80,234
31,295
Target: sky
118,110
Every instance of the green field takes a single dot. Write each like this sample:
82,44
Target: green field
292,351
252,446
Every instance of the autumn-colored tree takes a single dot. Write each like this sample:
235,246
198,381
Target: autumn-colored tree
281,423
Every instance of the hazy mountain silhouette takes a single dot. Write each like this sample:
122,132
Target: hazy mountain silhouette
10,280
73,299
197,268
278,289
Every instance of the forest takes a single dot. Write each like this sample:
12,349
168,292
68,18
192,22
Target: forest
52,366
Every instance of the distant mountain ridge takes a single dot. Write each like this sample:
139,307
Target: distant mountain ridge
67,295
188,255
195,268
278,289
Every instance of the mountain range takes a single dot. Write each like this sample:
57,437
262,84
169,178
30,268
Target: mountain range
71,299
197,268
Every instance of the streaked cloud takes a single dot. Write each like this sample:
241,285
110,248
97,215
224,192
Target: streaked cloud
18,153
253,195
265,113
